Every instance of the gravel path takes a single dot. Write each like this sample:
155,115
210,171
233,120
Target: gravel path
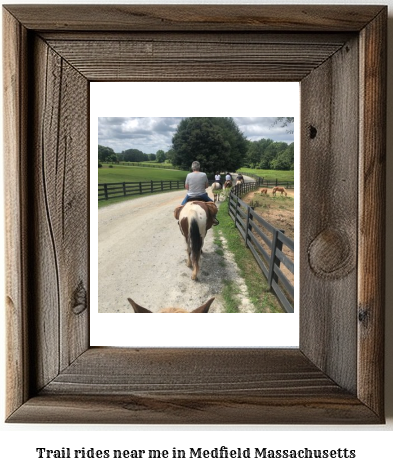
141,255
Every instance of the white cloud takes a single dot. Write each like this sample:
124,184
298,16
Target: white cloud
150,134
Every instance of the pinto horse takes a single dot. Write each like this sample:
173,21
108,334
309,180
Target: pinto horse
195,219
201,309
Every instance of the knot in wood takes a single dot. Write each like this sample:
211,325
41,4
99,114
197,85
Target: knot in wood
80,299
330,254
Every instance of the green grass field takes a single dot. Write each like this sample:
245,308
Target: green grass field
121,173
270,174
149,164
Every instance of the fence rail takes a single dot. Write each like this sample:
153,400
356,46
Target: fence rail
112,190
267,244
270,183
259,182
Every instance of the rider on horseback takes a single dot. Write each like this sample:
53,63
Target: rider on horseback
228,180
196,184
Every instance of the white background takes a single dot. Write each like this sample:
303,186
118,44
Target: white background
373,444
190,100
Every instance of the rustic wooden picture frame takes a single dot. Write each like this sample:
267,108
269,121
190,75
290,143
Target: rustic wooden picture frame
338,54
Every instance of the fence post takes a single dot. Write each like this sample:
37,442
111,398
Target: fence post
106,191
249,216
152,186
124,189
236,207
140,187
276,244
272,257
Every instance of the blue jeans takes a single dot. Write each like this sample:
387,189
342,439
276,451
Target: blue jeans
201,197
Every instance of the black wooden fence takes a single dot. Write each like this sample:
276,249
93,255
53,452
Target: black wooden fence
270,183
266,243
261,182
112,190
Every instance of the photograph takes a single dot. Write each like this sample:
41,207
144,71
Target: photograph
196,212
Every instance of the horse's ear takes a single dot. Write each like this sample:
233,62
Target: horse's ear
137,308
204,308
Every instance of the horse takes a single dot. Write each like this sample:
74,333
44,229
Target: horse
216,186
264,191
239,181
201,309
227,184
195,218
280,190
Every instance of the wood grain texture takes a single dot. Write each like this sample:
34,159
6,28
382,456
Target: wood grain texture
195,17
59,175
219,59
372,206
193,386
328,257
52,374
14,70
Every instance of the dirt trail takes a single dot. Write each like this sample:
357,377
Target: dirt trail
141,255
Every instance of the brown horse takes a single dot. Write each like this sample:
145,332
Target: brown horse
195,219
227,184
201,309
279,190
264,191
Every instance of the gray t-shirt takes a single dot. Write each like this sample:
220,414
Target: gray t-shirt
196,183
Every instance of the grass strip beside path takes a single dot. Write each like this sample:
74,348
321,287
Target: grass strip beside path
262,298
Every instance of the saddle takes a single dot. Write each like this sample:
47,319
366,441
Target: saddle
211,207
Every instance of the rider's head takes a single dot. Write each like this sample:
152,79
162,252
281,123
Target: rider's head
195,166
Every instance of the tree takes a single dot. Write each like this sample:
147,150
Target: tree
169,156
268,154
104,153
160,156
112,158
284,121
284,159
133,155
216,143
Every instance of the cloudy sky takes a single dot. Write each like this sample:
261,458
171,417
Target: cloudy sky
150,134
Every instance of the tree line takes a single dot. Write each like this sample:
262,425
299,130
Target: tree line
217,143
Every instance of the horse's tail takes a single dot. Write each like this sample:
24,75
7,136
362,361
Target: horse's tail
195,242
196,239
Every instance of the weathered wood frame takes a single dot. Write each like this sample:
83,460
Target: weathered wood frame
338,54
